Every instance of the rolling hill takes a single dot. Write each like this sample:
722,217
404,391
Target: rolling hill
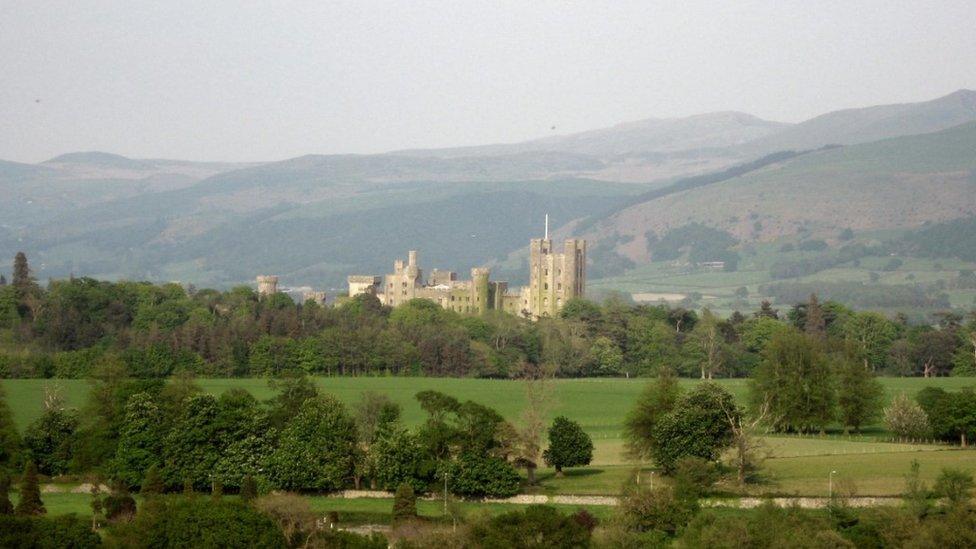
315,218
902,182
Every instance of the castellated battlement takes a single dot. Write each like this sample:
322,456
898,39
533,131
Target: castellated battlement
554,279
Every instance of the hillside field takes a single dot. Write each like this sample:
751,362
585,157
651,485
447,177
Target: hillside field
797,465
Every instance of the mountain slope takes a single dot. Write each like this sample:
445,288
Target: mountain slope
851,126
900,182
718,130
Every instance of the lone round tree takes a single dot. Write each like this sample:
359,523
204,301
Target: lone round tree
569,445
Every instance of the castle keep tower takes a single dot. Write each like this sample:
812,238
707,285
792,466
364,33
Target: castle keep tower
402,285
554,278
267,285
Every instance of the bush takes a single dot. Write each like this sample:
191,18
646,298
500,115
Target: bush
404,503
63,531
694,476
766,526
660,509
955,486
474,475
176,521
536,526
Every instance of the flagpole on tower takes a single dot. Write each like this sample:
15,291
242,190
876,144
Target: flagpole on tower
547,226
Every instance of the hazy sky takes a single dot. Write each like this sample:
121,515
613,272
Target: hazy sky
236,80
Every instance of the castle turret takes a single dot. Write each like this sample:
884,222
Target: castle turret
267,285
479,289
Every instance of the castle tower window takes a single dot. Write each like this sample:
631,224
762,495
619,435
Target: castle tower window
545,286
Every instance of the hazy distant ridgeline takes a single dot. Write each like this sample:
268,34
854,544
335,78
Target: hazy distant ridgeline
315,218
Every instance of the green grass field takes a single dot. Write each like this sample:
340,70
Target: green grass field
718,288
796,465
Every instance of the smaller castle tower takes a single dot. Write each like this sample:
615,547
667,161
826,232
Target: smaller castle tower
267,285
480,289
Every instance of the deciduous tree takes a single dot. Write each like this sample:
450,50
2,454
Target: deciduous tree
569,445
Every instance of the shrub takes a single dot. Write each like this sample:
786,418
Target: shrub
694,476
177,521
955,486
404,503
660,509
153,483
249,488
119,507
475,475
62,531
6,507
30,493
536,526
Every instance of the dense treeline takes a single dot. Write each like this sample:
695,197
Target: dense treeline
157,435
72,327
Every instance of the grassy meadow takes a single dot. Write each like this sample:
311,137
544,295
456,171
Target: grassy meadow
718,288
866,463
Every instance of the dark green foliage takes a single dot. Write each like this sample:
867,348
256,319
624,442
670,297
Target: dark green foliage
22,278
951,415
698,426
293,390
397,457
249,488
341,539
192,447
49,439
175,521
30,493
9,437
315,448
404,503
859,393
795,383
856,294
141,438
955,238
6,507
656,400
477,475
569,445
702,244
647,509
955,486
119,506
768,526
152,483
47,532
537,527
694,476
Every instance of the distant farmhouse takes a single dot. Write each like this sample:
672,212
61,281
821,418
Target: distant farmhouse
554,279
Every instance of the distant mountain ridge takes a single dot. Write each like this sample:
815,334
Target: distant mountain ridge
315,218
852,126
717,130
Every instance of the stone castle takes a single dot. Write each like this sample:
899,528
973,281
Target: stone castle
554,279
